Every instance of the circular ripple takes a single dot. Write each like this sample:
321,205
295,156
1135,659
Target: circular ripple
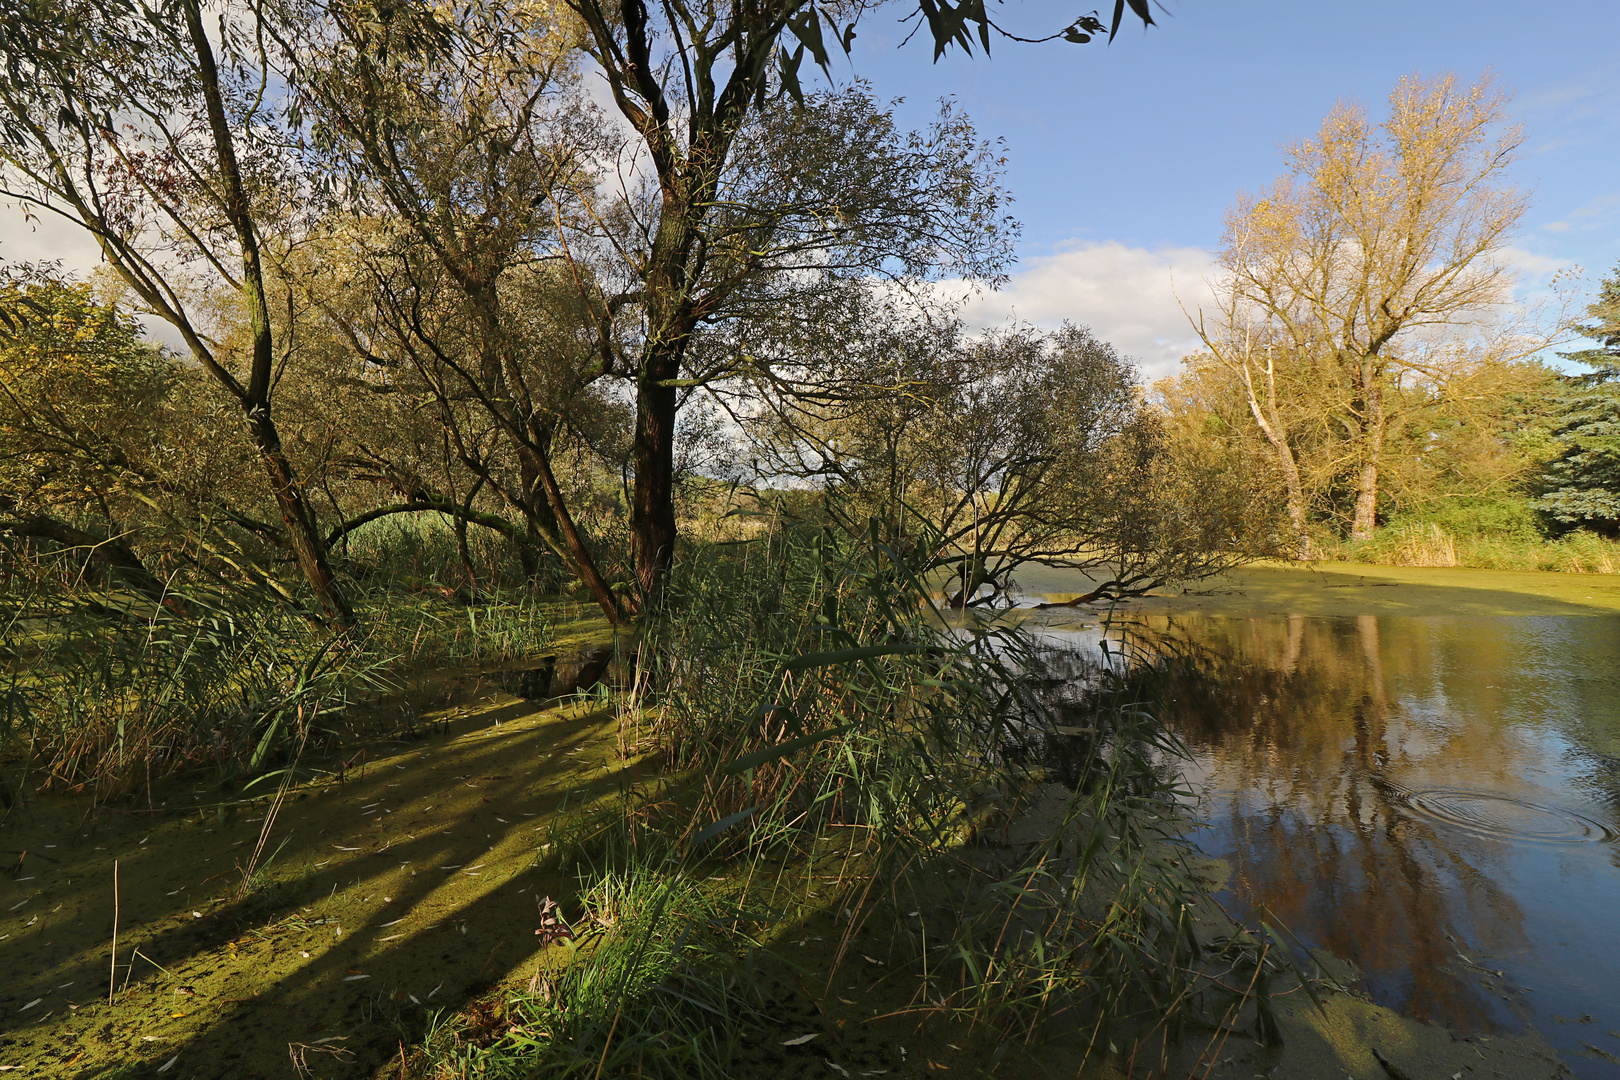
1505,817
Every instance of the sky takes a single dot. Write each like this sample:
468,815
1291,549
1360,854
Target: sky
1123,157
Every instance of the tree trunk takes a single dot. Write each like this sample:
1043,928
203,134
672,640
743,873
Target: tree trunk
307,543
1271,427
1296,499
584,564
652,511
111,554
1372,428
670,319
306,540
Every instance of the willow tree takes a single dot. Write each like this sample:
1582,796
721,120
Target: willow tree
981,455
152,130
1376,265
719,191
453,138
691,80
83,405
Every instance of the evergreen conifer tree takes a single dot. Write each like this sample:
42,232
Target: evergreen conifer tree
1581,487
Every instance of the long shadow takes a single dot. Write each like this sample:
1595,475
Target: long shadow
407,889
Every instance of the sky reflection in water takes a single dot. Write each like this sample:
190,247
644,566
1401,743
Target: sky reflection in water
1433,798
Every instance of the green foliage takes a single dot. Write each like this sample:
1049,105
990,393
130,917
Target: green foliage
810,686
1503,533
116,696
82,396
648,986
1508,519
1582,485
114,690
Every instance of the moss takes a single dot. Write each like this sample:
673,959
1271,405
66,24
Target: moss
410,887
1357,589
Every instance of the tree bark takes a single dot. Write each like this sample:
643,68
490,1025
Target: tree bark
1372,436
307,543
306,539
1271,427
652,511
109,553
669,310
584,565
1295,494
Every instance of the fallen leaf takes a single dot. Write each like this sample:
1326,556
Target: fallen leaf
802,1039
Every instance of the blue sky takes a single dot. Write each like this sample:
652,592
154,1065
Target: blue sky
1124,157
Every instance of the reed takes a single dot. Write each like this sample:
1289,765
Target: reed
842,752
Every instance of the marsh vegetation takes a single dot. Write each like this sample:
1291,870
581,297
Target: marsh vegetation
551,607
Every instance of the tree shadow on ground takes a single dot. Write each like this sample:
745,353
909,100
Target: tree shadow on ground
408,888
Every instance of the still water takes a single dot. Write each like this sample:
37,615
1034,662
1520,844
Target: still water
1436,799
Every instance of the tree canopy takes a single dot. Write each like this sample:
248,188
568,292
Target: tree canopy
1364,307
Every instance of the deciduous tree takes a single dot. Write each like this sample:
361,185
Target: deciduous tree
154,132
979,456
691,79
1375,271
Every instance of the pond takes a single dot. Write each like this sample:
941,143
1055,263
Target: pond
1436,799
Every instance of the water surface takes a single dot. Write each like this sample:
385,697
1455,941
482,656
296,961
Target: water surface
1434,798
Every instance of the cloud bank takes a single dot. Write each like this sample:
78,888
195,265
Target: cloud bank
1126,295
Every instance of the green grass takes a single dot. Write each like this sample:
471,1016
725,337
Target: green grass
646,983
850,764
98,691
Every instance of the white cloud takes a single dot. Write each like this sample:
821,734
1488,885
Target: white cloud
46,237
1532,268
51,238
1596,213
1126,295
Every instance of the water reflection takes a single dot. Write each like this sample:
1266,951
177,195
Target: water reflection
1432,798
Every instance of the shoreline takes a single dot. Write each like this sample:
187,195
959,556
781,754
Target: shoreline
1341,589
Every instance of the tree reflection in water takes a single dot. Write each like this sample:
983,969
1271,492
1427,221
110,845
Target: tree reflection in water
1308,736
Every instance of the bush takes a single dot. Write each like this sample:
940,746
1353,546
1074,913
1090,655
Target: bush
1489,534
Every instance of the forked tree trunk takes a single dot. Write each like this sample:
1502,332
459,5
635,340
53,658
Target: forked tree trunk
584,564
1271,427
1296,499
307,543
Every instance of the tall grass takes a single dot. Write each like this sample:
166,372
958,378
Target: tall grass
419,552
111,692
115,702
818,714
650,981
